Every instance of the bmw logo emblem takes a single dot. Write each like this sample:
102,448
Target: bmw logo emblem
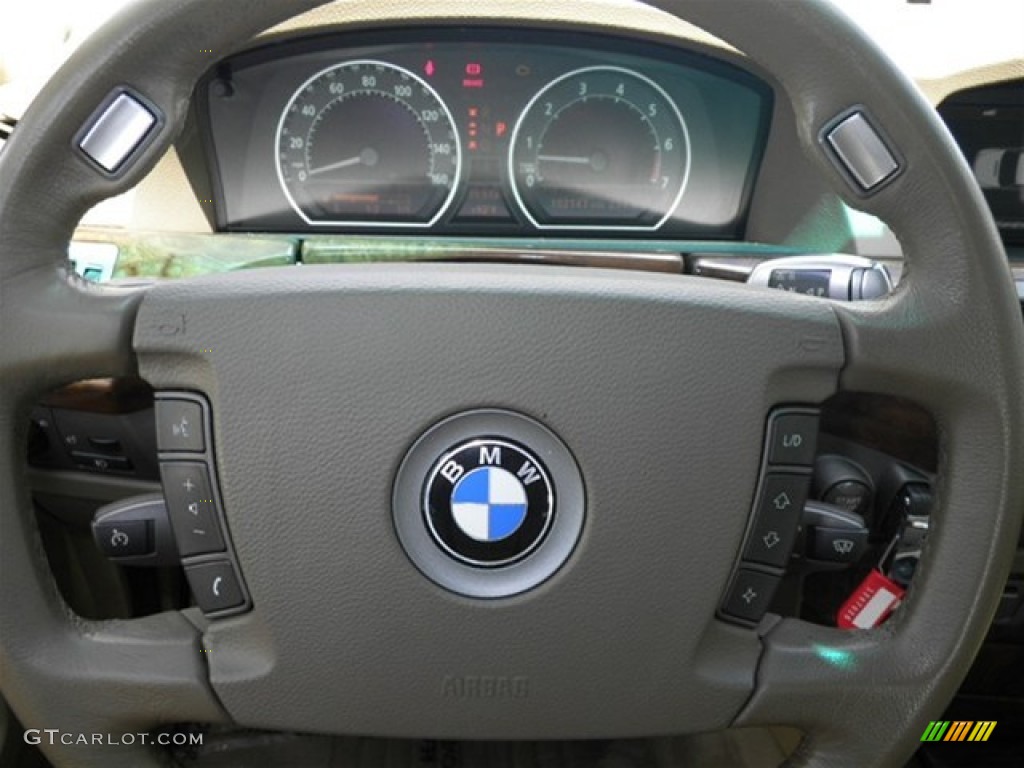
488,502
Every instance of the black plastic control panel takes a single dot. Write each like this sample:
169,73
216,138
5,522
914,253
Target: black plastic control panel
191,506
115,444
783,488
188,472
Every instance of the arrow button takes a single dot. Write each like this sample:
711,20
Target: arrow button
776,517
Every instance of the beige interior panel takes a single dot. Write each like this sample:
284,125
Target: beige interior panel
939,89
609,14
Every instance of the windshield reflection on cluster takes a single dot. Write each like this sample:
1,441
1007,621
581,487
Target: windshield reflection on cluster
929,39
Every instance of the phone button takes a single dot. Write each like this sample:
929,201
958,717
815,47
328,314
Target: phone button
215,586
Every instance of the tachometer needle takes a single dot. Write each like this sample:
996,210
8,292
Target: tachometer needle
564,159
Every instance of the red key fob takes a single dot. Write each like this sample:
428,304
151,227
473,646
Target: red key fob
871,602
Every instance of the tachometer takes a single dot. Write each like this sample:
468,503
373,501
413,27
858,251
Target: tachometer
368,143
600,148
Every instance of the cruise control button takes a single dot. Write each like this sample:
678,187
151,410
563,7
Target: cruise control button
793,438
776,519
215,586
750,595
179,425
191,507
123,538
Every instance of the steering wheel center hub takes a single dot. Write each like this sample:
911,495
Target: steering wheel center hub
477,510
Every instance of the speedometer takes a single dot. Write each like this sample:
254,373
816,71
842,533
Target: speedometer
600,148
367,143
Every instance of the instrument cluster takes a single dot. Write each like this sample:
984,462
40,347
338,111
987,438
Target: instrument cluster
477,131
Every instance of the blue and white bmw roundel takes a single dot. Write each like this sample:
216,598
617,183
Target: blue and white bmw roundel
489,504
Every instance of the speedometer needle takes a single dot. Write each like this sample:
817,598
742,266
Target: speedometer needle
336,166
368,157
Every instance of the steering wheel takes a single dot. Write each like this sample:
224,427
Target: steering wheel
320,379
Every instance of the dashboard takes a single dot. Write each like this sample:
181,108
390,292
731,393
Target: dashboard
988,125
469,131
